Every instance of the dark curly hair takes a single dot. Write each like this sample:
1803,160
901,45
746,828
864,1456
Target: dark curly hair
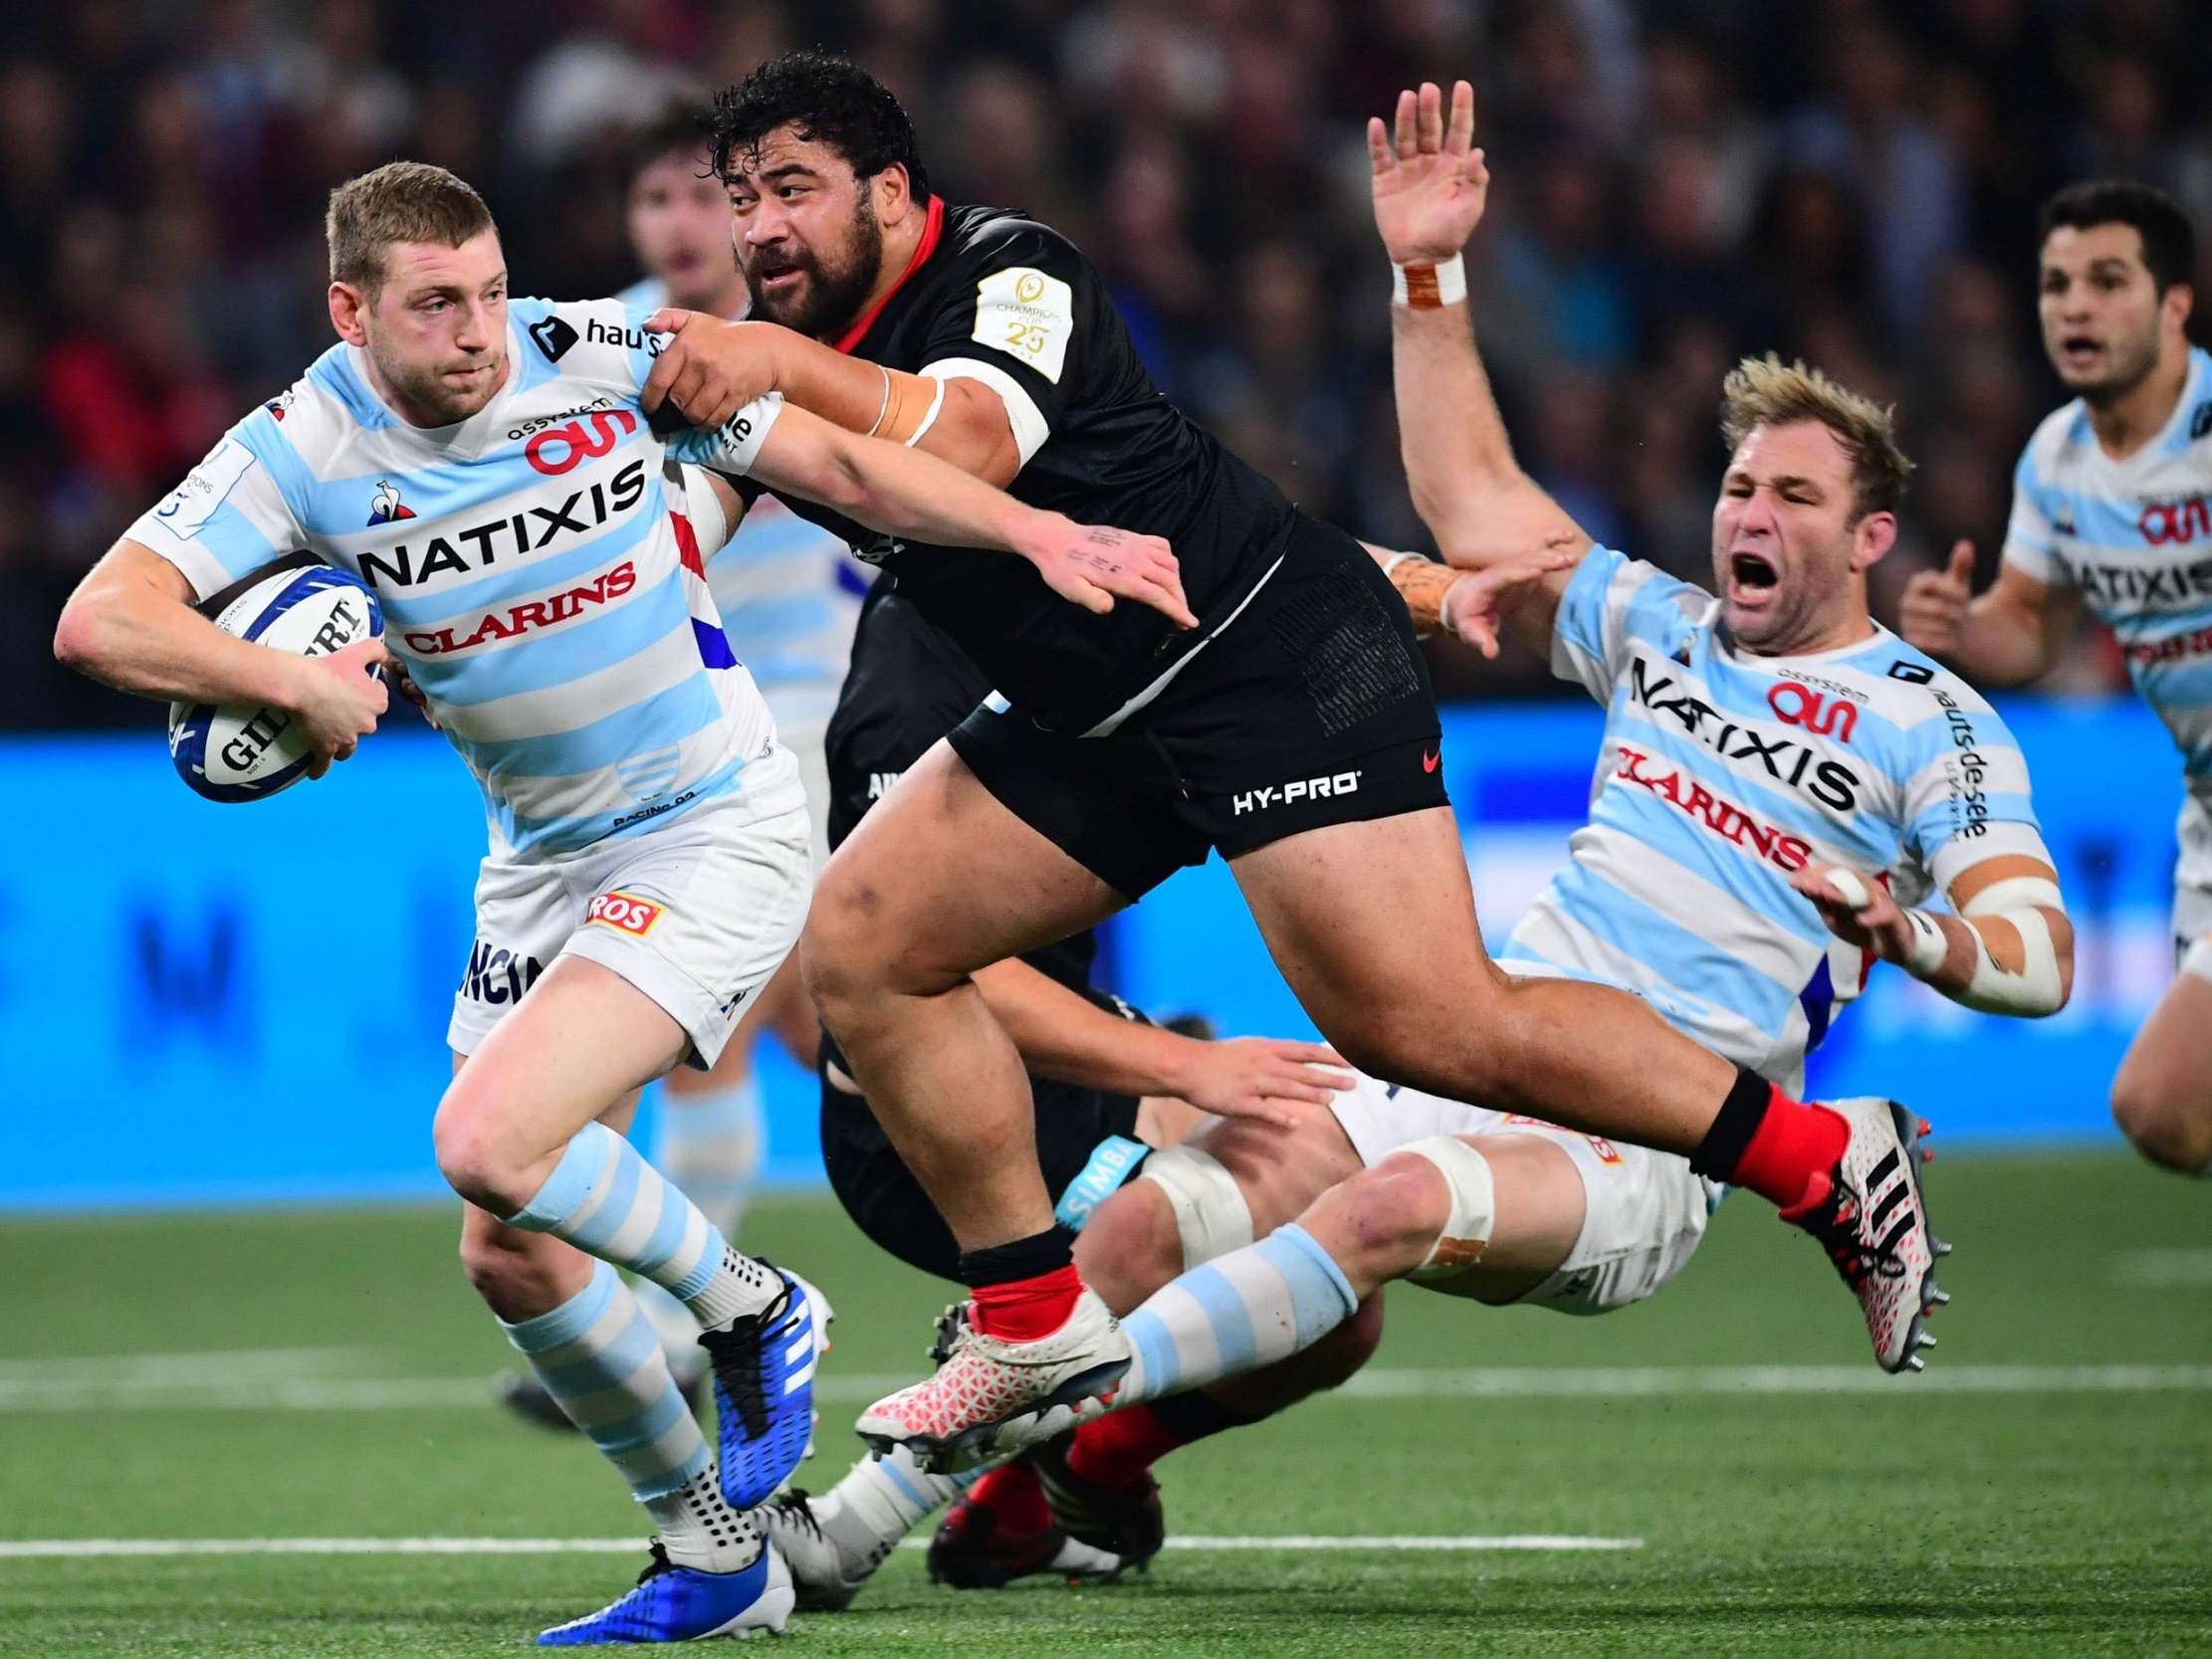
2169,240
826,98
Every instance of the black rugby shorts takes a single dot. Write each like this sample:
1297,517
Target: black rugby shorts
1311,707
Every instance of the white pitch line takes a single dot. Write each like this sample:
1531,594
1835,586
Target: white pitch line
2163,1269
219,1365
135,1391
247,1394
1621,1383
70,1549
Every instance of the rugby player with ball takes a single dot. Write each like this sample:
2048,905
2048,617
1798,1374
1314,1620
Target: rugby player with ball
486,471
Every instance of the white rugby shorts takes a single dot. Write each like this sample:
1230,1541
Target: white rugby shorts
697,915
808,741
1644,1212
2192,873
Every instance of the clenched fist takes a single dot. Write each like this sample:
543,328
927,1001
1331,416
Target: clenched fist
1934,610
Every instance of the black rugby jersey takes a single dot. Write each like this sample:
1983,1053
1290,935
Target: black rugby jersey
992,288
908,686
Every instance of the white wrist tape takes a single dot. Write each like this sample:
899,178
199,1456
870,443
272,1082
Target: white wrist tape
1931,945
1390,561
1443,608
1428,287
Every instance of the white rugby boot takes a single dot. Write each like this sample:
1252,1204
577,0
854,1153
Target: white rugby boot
831,1551
990,1394
1869,1216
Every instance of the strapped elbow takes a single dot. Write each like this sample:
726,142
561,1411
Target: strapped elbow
2039,983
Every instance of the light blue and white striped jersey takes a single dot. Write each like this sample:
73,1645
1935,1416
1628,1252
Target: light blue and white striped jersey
2134,538
788,591
538,575
1721,773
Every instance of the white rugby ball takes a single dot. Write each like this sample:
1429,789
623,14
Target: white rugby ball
239,752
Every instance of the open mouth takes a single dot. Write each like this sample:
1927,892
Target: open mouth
1751,577
2080,350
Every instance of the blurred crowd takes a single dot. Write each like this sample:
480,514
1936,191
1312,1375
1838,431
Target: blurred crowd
1676,182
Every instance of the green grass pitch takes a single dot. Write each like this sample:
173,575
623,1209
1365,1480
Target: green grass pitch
2045,1489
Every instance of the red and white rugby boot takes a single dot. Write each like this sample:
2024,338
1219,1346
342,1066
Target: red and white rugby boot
987,1384
1870,1217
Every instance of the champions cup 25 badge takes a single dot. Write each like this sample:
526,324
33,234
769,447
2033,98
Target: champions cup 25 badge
624,911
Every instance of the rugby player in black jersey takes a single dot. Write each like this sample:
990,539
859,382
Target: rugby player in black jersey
1114,1097
1291,729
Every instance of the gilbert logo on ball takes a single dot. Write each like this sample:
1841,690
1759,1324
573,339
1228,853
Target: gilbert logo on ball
242,751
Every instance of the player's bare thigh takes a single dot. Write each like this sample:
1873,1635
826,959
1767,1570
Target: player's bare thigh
1541,1206
582,1039
2162,1093
1373,924
939,879
1375,919
522,1274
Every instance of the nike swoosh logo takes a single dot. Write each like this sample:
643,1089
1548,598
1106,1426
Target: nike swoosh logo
1428,762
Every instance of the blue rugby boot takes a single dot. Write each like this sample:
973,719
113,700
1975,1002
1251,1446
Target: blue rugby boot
682,1604
764,1378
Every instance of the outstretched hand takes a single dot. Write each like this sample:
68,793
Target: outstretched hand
1430,183
1474,605
1274,1080
1094,564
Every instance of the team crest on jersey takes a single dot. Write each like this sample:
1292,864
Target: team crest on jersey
2063,520
386,506
281,405
2200,421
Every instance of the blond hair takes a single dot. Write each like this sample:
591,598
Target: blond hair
1765,391
401,201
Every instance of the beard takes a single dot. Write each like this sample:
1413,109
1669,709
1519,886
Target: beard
828,299
2128,363
428,393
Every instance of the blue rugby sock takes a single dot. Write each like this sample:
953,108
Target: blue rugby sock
610,1203
1234,1315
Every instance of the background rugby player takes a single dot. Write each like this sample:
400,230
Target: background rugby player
1292,731
2113,505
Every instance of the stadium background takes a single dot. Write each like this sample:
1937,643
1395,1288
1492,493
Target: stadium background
1679,181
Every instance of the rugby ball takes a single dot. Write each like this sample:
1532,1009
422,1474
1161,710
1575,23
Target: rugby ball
239,752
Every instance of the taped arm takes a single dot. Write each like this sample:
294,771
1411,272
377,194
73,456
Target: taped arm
955,418
2017,955
2007,948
